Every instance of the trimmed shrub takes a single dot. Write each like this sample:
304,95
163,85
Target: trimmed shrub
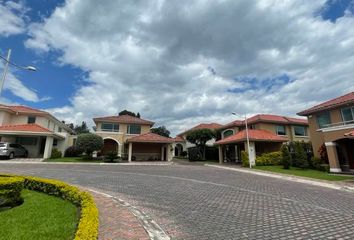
72,151
55,153
88,143
10,191
111,156
300,157
245,159
267,159
286,158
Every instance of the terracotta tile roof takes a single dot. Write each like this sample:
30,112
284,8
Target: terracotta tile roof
254,135
335,102
124,119
151,138
178,139
25,128
211,126
266,118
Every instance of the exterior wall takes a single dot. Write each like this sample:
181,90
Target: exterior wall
5,118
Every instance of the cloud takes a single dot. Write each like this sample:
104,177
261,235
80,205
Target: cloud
176,61
12,18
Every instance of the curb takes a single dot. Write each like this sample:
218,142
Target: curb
288,178
95,164
151,227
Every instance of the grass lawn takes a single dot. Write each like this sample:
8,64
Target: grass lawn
40,217
72,159
304,173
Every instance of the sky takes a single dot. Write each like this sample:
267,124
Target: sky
177,62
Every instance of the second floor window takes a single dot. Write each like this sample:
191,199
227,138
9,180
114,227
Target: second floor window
110,127
300,131
31,119
134,129
348,114
280,130
228,132
323,119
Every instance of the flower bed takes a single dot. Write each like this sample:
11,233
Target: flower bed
88,224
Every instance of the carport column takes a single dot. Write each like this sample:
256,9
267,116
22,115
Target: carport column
162,153
221,158
130,151
169,152
48,147
119,150
334,165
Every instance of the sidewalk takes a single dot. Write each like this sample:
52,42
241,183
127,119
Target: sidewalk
341,185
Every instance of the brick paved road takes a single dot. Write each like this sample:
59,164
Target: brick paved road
197,202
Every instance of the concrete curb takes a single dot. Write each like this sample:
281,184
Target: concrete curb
152,228
288,178
95,164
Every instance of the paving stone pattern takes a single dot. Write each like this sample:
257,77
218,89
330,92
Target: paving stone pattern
198,202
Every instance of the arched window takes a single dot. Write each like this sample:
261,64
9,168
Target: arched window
228,132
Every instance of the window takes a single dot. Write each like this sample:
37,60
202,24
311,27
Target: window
31,119
323,119
134,129
253,127
26,140
348,114
300,131
228,132
110,127
59,129
280,130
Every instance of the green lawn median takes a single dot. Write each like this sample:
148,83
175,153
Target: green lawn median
310,173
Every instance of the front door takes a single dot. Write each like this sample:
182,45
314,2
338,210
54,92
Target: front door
42,146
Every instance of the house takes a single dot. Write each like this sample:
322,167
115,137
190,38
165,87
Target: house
266,133
131,138
38,131
332,123
181,143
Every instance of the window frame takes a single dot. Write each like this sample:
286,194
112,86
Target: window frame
135,125
305,131
352,113
31,117
321,114
277,132
112,129
228,130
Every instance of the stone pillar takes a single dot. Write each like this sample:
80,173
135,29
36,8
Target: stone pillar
334,165
130,151
221,157
48,147
252,157
119,150
169,152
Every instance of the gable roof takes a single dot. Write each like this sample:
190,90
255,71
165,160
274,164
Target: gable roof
270,118
151,138
332,103
31,127
124,119
254,135
211,126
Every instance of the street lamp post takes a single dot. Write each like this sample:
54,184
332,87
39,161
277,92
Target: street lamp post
247,138
6,66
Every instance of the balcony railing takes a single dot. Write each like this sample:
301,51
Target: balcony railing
339,125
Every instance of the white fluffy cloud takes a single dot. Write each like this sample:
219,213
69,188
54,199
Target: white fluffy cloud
184,62
12,18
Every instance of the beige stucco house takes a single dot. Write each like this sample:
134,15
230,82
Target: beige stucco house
131,138
38,131
266,133
332,123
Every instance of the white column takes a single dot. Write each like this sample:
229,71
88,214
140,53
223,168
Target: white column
130,151
162,153
48,147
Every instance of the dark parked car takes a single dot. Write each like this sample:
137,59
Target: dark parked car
12,150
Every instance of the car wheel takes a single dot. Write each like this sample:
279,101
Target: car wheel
11,156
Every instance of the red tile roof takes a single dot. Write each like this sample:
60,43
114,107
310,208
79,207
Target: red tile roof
25,128
267,118
151,138
336,102
178,139
124,119
254,135
211,126
23,109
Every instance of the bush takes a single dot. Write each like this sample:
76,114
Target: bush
286,158
184,154
320,164
111,156
88,143
323,153
300,157
88,224
72,151
267,159
55,153
10,191
245,159
194,154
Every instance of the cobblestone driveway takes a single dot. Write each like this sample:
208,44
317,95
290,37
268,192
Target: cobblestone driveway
197,202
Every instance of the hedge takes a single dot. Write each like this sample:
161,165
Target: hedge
88,223
10,191
268,159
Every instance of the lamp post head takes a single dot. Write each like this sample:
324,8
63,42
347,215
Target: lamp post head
31,68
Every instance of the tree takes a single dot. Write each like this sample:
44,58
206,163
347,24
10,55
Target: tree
300,156
286,158
126,112
138,115
161,131
70,125
199,137
88,143
81,128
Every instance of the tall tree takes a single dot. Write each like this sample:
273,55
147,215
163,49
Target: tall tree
161,131
200,137
81,128
126,112
138,115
